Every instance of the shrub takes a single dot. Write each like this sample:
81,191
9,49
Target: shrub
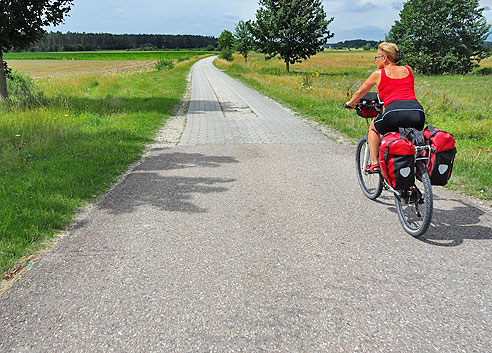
482,71
164,64
210,47
226,54
23,91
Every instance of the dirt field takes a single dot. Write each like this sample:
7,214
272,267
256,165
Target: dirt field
64,68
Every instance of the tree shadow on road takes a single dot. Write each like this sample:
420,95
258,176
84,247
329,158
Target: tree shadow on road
204,106
145,186
180,160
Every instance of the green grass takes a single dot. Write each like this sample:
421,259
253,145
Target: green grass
459,104
103,55
58,157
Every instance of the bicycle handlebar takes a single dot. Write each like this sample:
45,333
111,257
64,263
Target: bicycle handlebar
359,105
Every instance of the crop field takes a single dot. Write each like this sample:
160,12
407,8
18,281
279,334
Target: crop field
316,88
105,55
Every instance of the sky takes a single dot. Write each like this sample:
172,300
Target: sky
359,19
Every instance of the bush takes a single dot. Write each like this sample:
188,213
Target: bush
482,71
164,64
23,91
210,47
226,54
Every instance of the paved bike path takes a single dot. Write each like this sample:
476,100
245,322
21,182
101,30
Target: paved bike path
254,246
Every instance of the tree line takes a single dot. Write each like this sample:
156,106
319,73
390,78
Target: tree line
355,43
72,41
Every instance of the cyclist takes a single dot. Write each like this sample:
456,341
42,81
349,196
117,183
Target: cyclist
396,89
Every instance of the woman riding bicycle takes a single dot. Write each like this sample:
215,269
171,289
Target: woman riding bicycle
396,89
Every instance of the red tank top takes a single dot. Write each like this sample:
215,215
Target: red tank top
394,89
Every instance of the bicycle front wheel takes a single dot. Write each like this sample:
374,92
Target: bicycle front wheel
371,184
414,206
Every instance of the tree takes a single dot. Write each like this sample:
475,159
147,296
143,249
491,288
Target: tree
226,44
437,36
292,29
244,39
226,40
21,23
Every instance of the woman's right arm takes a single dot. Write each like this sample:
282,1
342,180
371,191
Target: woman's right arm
372,81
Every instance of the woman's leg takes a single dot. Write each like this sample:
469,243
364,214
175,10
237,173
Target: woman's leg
373,138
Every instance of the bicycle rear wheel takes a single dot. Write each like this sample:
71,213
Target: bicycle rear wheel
414,206
371,184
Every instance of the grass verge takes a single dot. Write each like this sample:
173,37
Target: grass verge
57,157
317,88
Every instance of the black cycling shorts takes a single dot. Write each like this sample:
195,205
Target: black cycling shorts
407,113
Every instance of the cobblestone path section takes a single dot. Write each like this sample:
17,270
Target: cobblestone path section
265,122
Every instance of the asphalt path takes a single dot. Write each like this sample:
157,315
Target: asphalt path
252,235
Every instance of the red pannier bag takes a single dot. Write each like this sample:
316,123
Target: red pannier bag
365,111
397,160
443,150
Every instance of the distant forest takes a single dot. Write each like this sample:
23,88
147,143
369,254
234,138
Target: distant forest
355,43
57,41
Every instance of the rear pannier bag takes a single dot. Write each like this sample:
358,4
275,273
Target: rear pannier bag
368,112
397,160
443,150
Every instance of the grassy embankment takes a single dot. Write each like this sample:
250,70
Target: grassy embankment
316,89
58,156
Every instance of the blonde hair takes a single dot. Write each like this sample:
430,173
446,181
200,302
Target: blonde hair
391,51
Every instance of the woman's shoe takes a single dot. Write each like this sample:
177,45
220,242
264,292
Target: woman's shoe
372,168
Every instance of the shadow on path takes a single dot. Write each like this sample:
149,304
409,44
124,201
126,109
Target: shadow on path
179,160
204,106
451,226
145,186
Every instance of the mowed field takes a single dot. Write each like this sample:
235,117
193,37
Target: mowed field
63,64
316,88
63,68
